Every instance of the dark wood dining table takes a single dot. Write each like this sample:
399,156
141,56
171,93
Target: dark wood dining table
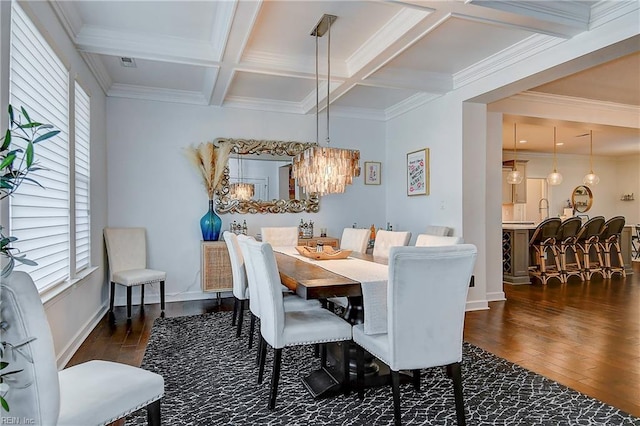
311,281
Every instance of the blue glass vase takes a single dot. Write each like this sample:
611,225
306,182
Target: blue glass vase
210,224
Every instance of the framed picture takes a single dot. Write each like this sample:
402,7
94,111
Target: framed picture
418,172
372,170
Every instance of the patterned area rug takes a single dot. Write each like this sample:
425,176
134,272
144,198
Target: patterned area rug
210,379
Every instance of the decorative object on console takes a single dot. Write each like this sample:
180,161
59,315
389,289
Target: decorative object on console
554,178
514,177
325,170
418,172
372,173
591,178
210,160
320,252
305,229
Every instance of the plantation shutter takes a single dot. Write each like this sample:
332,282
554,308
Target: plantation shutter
82,143
39,216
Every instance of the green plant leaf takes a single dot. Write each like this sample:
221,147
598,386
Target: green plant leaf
30,125
3,365
29,154
46,136
8,160
4,404
7,140
26,261
24,113
10,112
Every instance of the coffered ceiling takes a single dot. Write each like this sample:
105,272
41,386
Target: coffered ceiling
387,57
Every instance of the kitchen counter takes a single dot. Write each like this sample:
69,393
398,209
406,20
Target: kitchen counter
515,251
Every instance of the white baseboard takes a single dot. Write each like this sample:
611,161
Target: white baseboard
476,305
496,296
178,297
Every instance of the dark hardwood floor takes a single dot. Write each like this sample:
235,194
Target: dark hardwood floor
583,335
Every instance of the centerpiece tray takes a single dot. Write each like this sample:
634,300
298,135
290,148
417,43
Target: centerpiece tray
327,253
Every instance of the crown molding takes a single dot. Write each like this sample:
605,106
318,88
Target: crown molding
605,11
397,78
573,102
155,94
359,113
98,70
519,51
409,104
68,16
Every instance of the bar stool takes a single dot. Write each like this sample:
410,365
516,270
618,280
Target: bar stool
609,239
587,243
635,242
566,242
542,242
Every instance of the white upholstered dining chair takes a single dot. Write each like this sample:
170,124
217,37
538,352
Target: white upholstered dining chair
443,231
286,236
426,298
281,328
127,253
387,239
239,278
428,240
355,239
91,393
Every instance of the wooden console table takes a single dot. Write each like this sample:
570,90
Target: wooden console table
215,267
313,241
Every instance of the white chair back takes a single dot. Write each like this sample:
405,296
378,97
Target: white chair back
270,293
24,314
280,236
238,272
426,298
427,240
126,249
443,231
355,239
252,283
387,239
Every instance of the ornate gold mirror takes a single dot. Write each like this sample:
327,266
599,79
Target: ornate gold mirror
265,165
582,198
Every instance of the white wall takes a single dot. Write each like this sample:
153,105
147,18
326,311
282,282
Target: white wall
73,313
151,184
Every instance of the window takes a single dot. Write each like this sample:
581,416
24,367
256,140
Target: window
40,216
81,148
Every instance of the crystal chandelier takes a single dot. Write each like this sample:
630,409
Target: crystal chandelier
554,178
591,178
514,177
320,169
241,190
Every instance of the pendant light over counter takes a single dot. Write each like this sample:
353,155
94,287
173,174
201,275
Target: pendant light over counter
514,177
319,169
554,178
591,178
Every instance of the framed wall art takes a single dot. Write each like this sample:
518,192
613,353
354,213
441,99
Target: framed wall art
418,172
372,173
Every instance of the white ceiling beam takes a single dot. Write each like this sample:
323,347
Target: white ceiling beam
396,78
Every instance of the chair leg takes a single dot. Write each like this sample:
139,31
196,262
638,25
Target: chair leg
457,390
416,380
395,389
360,371
162,295
346,378
252,327
275,377
240,318
153,413
261,342
263,357
112,296
142,296
235,311
128,301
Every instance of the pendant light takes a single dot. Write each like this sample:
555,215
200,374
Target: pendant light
514,177
554,178
241,190
591,178
320,169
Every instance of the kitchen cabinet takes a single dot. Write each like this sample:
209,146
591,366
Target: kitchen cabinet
514,194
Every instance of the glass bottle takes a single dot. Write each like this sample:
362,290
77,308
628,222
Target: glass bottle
244,227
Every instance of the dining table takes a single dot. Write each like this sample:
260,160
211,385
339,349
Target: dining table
318,279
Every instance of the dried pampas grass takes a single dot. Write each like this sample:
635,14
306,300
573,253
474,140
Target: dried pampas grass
210,161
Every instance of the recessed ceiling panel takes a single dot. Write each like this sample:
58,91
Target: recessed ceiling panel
600,84
192,19
270,87
164,75
456,45
373,97
284,27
